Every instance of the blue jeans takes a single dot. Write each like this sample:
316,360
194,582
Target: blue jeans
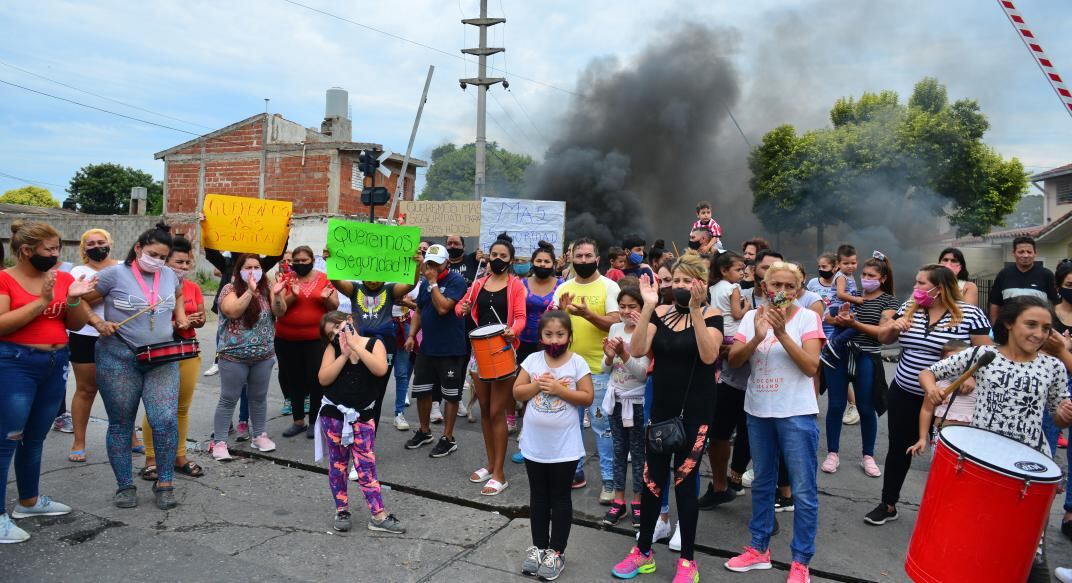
796,440
243,407
601,428
837,383
1068,487
1050,430
34,384
402,371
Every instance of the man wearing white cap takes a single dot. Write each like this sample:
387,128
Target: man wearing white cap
442,358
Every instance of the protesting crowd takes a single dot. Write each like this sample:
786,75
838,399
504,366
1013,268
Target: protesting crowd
666,357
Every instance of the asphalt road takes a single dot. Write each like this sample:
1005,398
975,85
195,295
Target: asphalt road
268,517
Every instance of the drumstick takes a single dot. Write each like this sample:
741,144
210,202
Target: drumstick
676,254
136,314
985,359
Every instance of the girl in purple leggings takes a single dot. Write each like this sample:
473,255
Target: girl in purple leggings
345,425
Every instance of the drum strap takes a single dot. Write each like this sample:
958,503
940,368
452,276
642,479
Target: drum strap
953,397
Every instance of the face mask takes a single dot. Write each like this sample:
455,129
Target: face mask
682,295
747,284
43,263
666,295
694,245
256,273
180,273
923,297
1066,294
636,258
521,268
302,269
870,285
98,253
779,299
150,264
455,252
826,273
553,350
585,270
543,272
499,265
954,267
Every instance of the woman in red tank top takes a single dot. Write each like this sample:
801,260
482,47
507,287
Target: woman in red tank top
37,307
298,350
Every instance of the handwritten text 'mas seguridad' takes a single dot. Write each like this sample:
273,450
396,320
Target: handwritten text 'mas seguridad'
246,225
371,252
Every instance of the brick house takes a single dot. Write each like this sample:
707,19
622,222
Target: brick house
268,156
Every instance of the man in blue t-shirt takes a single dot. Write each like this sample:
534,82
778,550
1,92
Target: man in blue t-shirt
442,358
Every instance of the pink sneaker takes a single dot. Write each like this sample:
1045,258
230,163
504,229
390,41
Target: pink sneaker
831,463
798,574
870,467
687,572
748,560
220,452
634,564
262,443
243,431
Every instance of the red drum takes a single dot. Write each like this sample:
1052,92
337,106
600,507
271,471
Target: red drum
495,358
164,352
983,511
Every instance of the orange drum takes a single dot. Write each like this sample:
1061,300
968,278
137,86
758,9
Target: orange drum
495,357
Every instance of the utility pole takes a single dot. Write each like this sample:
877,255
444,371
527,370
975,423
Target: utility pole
400,185
483,82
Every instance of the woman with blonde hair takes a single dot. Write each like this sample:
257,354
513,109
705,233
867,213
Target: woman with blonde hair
781,340
935,315
95,248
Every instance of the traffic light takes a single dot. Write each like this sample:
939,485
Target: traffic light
368,162
373,195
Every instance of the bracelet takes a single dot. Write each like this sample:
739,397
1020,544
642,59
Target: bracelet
77,301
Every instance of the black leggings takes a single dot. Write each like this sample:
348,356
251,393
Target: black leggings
550,503
686,494
903,415
299,367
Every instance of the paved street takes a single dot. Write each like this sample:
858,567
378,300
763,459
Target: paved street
268,517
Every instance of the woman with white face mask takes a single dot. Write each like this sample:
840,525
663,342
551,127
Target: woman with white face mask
146,297
249,307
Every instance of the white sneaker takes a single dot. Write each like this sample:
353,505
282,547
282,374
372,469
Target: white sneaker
663,531
463,410
220,452
747,477
851,416
437,414
675,541
400,422
1063,575
9,533
45,507
213,370
353,474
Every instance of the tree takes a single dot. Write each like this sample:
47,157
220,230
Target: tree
30,196
453,172
104,189
883,160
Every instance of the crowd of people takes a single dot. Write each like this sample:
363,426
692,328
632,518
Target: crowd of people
664,357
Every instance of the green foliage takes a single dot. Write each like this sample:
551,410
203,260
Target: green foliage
30,196
104,189
453,172
921,158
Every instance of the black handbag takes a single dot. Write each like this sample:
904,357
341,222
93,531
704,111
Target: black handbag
665,437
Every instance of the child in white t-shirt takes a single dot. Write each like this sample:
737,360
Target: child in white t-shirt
726,276
557,384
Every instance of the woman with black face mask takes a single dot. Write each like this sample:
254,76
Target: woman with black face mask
308,295
38,305
95,248
496,298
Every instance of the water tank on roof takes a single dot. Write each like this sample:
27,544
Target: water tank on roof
337,103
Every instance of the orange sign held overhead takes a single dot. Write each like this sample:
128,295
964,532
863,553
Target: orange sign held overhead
245,225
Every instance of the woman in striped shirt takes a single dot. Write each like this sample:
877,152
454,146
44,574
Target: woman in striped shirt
935,315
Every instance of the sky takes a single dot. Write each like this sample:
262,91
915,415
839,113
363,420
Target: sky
196,66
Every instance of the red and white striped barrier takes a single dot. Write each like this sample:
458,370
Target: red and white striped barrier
1035,48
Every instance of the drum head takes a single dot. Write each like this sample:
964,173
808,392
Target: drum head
1001,454
488,331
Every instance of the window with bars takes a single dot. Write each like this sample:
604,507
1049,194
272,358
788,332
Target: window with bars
1064,190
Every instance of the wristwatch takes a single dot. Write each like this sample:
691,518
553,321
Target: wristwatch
433,286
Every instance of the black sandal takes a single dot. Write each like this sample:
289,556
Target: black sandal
190,469
148,473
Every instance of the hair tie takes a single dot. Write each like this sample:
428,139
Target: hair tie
878,255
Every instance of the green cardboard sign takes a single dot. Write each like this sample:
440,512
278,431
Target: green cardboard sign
371,252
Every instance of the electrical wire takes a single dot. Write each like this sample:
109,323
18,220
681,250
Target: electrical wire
520,129
28,181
